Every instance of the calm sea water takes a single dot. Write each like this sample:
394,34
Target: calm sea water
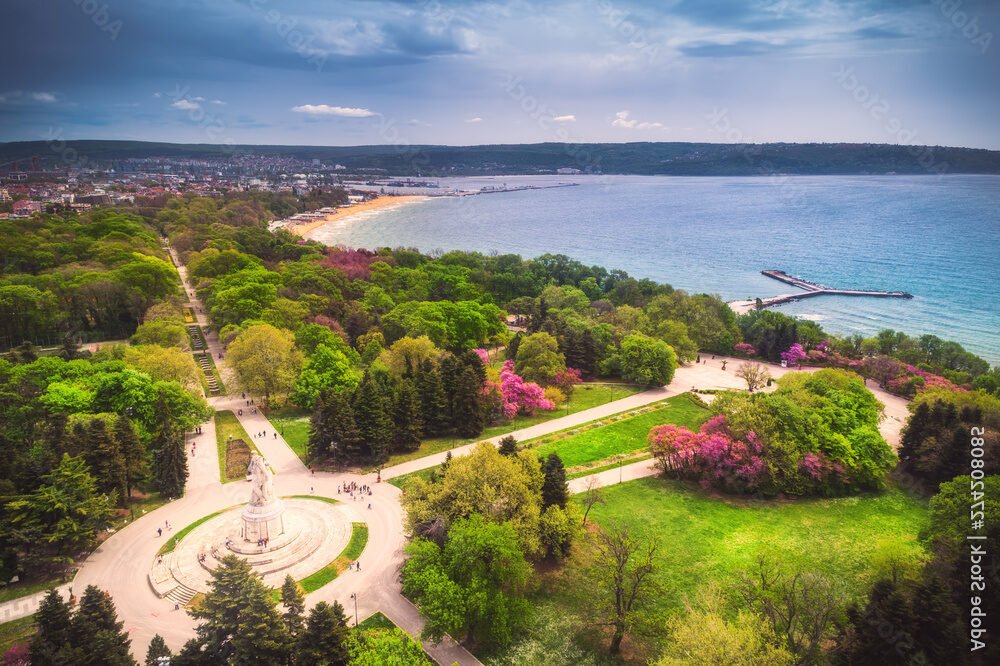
935,237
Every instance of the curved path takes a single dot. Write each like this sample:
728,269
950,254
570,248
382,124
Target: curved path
120,565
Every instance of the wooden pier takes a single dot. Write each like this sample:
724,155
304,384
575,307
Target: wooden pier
809,289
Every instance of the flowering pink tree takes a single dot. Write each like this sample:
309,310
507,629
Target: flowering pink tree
744,349
566,379
483,355
519,395
794,355
712,456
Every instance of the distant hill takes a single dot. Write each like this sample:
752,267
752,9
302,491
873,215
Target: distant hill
679,159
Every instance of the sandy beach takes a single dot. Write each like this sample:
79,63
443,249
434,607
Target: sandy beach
347,212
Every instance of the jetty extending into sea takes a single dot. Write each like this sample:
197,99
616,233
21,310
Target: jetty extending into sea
809,289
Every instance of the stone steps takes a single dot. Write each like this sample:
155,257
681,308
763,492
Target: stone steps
182,594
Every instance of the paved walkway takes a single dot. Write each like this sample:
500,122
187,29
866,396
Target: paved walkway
28,604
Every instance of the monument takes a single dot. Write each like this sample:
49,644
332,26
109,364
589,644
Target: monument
263,516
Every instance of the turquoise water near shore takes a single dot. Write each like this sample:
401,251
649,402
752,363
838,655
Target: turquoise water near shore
937,238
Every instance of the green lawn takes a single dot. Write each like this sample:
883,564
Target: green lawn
621,435
180,534
704,539
16,631
359,539
227,424
293,424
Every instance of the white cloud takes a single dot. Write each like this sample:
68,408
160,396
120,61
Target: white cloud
477,119
21,96
565,119
43,97
327,110
157,95
622,119
218,101
186,105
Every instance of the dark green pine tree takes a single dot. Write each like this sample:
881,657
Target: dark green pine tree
221,612
106,459
372,409
295,606
880,634
98,637
324,641
433,400
938,622
508,446
261,636
468,414
510,353
51,645
318,445
157,649
407,417
555,491
133,452
170,468
345,438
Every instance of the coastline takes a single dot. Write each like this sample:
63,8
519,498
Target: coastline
345,213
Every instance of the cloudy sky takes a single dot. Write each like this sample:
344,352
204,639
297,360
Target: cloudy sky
468,72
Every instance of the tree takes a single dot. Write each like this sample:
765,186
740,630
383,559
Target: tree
468,416
647,361
325,640
373,415
592,496
555,491
433,399
96,633
51,646
538,358
794,355
329,367
407,417
407,354
167,363
382,646
881,632
482,567
157,650
61,517
508,446
170,468
132,450
754,374
105,458
621,572
239,621
675,334
265,360
295,606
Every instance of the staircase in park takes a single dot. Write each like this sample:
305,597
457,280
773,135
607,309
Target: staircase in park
200,348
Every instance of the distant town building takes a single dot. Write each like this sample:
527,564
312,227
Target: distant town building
567,171
27,207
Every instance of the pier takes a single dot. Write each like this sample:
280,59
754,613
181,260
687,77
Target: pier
809,289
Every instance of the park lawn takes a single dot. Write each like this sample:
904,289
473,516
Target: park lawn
16,631
601,440
425,474
704,539
227,424
353,550
293,424
585,396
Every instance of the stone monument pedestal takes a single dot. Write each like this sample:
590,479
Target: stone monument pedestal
263,522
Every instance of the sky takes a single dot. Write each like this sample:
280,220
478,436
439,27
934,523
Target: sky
461,72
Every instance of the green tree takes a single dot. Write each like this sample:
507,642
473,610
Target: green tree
621,574
170,468
61,517
372,413
295,606
555,491
407,416
157,649
51,646
407,354
647,361
508,446
133,452
96,633
433,399
333,430
382,646
265,360
538,358
324,642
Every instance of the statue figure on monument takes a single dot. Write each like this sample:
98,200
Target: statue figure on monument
261,481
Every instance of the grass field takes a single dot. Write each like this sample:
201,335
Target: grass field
359,539
593,444
16,631
704,539
183,532
226,425
293,424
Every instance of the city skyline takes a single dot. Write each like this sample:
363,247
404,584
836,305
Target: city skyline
439,72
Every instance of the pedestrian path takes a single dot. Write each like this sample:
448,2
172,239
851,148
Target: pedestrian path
27,605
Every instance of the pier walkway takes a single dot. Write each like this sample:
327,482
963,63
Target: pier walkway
809,289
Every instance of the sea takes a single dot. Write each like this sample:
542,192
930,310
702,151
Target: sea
936,237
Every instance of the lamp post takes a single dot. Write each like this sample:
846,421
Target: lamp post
354,595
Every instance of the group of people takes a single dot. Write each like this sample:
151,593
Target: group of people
353,487
262,542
